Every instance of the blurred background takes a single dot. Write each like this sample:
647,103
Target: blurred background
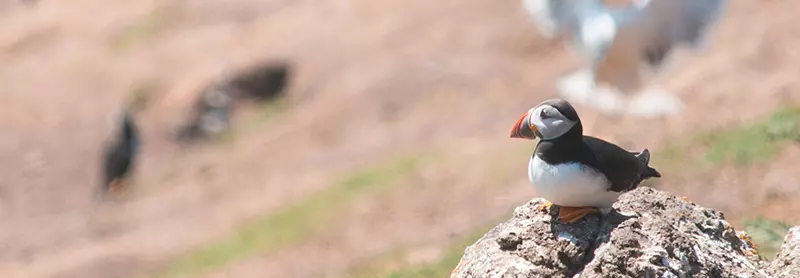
385,152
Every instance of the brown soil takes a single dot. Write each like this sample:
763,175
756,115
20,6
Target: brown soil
375,78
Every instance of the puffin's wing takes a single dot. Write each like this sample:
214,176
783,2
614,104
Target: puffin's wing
623,169
647,33
120,151
657,26
116,161
644,155
552,17
678,21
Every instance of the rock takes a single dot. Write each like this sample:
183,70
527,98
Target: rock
509,241
649,234
787,264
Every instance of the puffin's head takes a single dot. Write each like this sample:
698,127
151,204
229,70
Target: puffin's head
548,120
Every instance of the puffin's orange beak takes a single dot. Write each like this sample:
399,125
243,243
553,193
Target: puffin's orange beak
523,129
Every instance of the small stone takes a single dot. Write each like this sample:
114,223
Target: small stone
655,259
509,241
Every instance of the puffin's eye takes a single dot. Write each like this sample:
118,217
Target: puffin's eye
543,115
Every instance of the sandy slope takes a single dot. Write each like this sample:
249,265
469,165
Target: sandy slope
375,78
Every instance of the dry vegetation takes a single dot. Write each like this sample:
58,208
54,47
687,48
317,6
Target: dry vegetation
388,154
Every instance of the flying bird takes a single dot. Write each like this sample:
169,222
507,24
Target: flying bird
119,155
576,172
623,46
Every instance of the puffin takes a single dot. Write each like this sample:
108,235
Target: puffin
264,83
119,155
624,45
211,114
580,174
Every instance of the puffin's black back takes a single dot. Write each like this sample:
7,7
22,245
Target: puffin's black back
623,169
121,152
264,83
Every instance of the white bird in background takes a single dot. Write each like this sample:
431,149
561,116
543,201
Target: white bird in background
623,44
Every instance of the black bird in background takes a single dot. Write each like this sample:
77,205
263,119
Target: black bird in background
211,114
262,83
119,156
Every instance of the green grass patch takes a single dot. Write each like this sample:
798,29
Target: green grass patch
767,234
741,146
756,142
140,96
378,266
294,223
391,266
142,30
681,156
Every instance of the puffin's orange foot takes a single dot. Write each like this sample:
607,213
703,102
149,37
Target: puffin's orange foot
544,207
573,214
685,199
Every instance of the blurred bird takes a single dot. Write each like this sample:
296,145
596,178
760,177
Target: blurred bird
576,172
211,114
120,155
265,82
213,109
622,44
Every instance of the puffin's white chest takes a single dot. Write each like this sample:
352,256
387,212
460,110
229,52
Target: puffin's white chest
570,184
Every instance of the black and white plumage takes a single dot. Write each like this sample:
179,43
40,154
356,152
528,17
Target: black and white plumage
570,169
623,45
120,154
211,114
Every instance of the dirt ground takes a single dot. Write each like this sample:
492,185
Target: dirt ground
374,79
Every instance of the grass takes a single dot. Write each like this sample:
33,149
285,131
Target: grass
767,234
502,168
387,265
376,266
140,96
141,31
741,146
292,224
755,143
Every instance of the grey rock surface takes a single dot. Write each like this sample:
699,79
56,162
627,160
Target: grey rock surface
787,264
649,234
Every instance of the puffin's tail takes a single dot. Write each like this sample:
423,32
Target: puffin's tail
651,173
644,156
